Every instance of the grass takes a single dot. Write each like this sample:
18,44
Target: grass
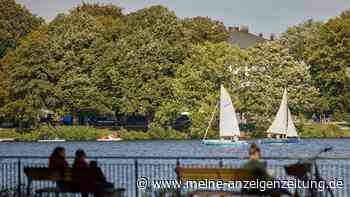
324,131
72,133
85,133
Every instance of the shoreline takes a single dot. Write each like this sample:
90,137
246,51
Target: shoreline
148,140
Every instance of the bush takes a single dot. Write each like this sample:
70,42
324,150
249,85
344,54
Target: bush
257,134
158,133
79,133
133,135
8,133
338,116
30,136
323,130
72,133
154,133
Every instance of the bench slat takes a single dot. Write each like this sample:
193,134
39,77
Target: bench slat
223,174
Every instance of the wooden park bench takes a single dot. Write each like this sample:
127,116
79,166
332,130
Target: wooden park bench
185,174
86,180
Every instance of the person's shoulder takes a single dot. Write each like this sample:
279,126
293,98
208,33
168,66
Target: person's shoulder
252,164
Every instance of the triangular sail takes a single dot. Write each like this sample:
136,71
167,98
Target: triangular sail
283,123
291,130
228,120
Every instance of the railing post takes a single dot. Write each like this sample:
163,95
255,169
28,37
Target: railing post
178,190
19,178
221,163
136,172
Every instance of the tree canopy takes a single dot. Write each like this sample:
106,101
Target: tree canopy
15,22
271,69
150,62
202,29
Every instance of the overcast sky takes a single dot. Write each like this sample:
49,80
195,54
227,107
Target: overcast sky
260,15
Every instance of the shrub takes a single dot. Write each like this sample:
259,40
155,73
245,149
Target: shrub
159,133
323,130
78,133
155,133
8,133
72,133
133,135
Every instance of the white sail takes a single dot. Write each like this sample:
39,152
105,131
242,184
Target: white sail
291,130
283,123
228,120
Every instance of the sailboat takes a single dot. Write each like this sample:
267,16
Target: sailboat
229,129
282,128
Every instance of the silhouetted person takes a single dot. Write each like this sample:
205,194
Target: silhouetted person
80,159
105,185
93,165
79,163
57,160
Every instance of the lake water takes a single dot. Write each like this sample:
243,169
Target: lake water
122,171
189,148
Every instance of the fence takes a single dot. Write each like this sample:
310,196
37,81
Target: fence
125,171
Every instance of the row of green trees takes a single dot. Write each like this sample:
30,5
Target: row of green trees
97,59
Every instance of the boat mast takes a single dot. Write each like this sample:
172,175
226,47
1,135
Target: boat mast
211,120
286,112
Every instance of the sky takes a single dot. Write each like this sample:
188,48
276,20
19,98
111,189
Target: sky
262,16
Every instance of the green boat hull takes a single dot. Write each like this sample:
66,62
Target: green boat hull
280,141
224,142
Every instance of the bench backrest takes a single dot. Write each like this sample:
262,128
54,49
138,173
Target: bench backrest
222,174
43,174
86,175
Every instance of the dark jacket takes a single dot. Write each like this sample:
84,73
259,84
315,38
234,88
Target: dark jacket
57,163
80,163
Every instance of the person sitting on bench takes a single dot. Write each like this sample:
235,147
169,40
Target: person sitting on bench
254,161
105,185
259,167
80,159
57,160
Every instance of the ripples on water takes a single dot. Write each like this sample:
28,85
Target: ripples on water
121,172
190,148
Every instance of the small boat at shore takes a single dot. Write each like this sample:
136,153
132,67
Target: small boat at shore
54,140
282,129
7,140
229,128
109,138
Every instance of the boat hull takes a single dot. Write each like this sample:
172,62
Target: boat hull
223,142
280,141
7,140
109,140
49,141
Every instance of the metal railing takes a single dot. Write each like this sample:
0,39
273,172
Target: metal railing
125,171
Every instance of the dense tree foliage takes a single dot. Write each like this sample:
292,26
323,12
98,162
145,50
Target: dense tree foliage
270,70
198,80
15,22
139,66
323,46
97,10
202,29
29,76
97,60
295,38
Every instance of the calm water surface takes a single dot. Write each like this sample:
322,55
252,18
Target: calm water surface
307,147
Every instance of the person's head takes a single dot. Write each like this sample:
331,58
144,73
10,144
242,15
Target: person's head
254,152
80,154
59,152
93,164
